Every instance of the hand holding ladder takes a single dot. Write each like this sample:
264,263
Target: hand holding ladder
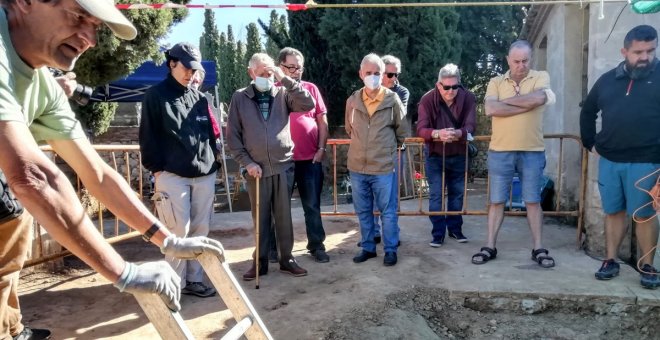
170,325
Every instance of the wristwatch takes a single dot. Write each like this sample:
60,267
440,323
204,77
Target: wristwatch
321,149
150,232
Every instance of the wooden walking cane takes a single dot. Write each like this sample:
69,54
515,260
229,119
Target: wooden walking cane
256,226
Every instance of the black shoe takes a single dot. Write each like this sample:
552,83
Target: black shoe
292,268
363,256
608,270
377,239
32,334
649,277
437,242
458,236
272,256
252,273
390,259
320,256
198,289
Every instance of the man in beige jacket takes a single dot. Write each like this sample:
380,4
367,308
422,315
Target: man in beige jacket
375,122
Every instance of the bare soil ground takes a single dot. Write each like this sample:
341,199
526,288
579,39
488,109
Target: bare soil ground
430,294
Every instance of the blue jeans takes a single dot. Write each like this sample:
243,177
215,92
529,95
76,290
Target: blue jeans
309,178
502,165
402,161
454,184
379,190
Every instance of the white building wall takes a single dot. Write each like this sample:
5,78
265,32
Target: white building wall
562,32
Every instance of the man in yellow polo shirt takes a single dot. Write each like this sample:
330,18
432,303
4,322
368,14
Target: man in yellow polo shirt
516,102
375,122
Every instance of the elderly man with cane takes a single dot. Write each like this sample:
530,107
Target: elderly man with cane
259,138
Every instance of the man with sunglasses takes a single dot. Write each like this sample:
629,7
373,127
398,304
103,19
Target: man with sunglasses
375,121
391,79
446,117
516,101
309,132
35,35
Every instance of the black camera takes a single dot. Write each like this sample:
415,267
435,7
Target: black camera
81,95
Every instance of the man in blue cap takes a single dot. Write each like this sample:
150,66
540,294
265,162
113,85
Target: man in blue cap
177,142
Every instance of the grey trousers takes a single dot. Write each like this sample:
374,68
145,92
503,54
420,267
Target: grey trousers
274,207
191,200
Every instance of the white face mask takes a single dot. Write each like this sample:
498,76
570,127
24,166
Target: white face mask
372,82
263,84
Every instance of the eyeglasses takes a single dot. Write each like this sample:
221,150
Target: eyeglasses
293,68
449,87
392,75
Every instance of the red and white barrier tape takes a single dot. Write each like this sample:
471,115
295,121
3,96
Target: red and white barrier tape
169,5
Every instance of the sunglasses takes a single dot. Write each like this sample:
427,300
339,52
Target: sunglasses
392,75
449,87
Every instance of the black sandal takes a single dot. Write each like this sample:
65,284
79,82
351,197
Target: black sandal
492,254
536,257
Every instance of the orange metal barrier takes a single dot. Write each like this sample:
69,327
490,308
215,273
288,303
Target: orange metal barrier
420,211
121,158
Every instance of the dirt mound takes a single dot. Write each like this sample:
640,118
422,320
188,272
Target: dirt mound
429,313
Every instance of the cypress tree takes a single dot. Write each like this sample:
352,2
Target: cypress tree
253,42
277,36
240,67
484,48
423,38
209,42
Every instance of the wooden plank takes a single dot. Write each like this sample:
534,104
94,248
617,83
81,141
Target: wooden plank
238,330
170,325
233,296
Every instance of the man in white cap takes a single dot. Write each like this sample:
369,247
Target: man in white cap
34,35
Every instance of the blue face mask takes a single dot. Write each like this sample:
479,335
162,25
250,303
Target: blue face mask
372,82
263,84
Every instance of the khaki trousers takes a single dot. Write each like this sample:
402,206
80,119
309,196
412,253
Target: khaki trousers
191,206
15,242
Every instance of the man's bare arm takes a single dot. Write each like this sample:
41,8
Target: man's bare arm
322,123
496,108
528,101
107,185
49,196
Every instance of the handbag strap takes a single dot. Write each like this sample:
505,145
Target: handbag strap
445,109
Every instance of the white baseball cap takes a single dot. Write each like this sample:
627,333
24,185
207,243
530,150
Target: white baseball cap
108,13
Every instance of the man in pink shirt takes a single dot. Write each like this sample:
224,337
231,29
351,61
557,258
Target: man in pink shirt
309,131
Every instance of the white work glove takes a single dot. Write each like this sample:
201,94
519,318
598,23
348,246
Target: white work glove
189,247
152,277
